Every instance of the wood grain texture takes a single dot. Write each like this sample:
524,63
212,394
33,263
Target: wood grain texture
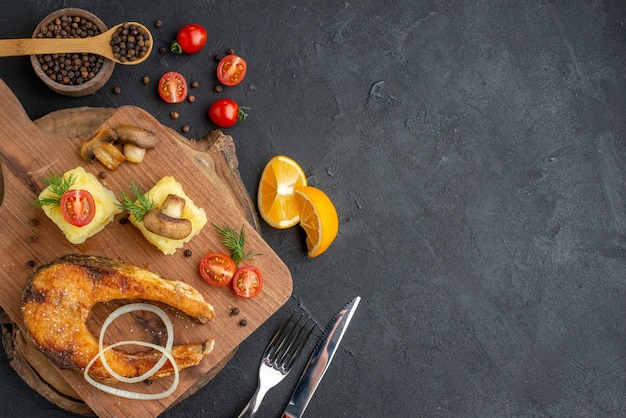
205,169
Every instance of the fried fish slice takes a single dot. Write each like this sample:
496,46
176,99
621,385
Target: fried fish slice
59,296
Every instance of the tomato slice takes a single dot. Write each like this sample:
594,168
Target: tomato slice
78,207
173,87
217,269
231,70
248,281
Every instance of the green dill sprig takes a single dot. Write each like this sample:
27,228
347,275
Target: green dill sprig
235,242
57,186
139,206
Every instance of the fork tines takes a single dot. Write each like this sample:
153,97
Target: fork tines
288,342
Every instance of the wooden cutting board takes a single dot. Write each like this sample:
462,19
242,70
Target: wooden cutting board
29,152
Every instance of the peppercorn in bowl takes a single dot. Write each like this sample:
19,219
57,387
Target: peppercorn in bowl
71,74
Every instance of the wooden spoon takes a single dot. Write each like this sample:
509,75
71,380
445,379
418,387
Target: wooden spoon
100,45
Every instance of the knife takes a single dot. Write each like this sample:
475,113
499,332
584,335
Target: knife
320,360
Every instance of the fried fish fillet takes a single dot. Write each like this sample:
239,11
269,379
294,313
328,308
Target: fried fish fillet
59,296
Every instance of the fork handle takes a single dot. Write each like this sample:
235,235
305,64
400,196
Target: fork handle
253,405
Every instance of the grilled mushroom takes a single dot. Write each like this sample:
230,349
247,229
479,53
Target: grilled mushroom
168,221
100,146
136,141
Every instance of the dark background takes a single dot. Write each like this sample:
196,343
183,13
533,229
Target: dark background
476,154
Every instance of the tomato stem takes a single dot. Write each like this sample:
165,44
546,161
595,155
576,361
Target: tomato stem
242,115
176,48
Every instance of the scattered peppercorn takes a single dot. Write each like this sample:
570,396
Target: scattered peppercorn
33,222
124,220
234,311
174,115
230,51
102,174
158,24
70,68
187,253
31,239
194,84
145,79
185,128
217,58
191,98
117,90
218,88
130,42
30,263
163,50
243,322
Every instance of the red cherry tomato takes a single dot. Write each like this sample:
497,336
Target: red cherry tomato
190,39
248,281
78,207
217,269
231,70
173,87
226,112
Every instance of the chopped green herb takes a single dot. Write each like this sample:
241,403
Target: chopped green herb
57,186
139,206
235,242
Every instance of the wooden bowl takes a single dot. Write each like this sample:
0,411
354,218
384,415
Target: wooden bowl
73,90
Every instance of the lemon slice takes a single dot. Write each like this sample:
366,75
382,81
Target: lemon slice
275,197
318,218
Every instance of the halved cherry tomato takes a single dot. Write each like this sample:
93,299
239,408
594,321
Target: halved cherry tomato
173,87
217,269
78,207
226,112
231,70
248,281
190,39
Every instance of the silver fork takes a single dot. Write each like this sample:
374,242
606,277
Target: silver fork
278,358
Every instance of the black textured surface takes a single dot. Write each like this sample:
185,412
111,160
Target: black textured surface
476,155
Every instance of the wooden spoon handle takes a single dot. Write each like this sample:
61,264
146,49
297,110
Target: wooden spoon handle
30,46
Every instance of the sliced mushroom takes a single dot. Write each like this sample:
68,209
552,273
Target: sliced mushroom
139,137
167,221
133,153
100,146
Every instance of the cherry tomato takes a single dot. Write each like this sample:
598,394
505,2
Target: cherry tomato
173,87
78,207
190,39
231,70
217,269
226,112
248,281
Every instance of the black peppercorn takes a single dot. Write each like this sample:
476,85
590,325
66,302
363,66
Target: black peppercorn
117,90
123,221
158,24
185,128
145,80
102,175
70,68
30,264
174,115
230,51
187,253
218,88
194,84
191,98
243,322
234,311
